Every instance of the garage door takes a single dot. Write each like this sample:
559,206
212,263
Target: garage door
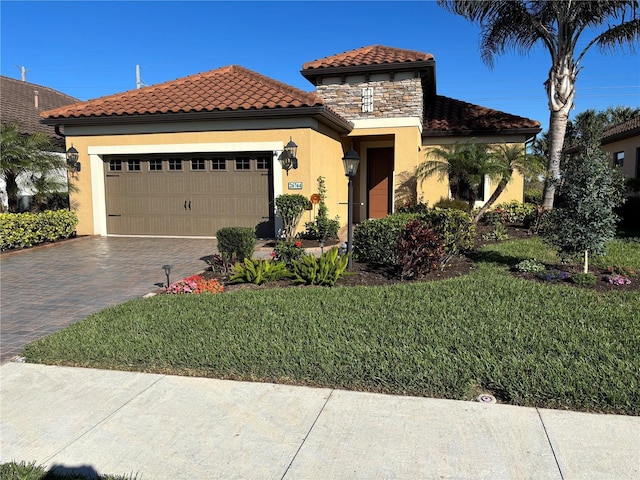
189,195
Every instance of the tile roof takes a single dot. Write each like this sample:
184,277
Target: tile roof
444,115
18,104
371,55
622,130
230,88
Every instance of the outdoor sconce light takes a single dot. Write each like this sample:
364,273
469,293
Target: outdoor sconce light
351,162
72,158
167,271
288,157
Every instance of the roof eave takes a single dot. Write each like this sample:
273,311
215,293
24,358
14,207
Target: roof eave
312,74
319,112
621,136
530,131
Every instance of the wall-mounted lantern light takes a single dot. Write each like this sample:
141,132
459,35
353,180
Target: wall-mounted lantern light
288,158
167,271
72,158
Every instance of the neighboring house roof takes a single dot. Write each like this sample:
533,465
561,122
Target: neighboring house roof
226,92
630,128
22,102
447,116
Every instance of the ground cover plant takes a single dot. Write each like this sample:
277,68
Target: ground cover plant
32,471
527,342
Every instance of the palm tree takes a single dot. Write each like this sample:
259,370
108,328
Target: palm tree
558,25
29,157
463,164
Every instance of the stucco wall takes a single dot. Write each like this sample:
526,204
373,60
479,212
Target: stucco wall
630,148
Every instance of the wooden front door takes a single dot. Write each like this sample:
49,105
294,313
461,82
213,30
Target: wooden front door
379,181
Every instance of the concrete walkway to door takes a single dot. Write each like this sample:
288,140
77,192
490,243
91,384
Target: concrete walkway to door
47,288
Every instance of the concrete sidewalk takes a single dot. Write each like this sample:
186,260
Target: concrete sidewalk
168,427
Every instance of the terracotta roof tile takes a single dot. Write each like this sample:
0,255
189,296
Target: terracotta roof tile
224,89
444,114
622,130
17,104
372,55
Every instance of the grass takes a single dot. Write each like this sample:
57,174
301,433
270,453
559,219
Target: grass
32,471
528,343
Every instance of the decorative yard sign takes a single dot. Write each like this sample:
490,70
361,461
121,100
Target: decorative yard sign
295,185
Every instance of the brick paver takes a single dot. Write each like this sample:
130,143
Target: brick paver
45,289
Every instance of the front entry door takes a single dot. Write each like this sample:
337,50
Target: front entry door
379,181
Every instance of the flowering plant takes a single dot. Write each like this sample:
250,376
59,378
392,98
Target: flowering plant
195,284
617,279
622,271
287,251
552,275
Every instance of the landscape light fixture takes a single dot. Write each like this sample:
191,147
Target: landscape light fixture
72,158
167,271
351,161
288,158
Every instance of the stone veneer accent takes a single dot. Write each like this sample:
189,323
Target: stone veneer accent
391,99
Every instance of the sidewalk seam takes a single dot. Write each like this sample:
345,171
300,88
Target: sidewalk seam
95,425
544,427
295,455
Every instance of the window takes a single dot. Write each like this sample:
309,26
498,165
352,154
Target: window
218,163
115,165
155,165
367,99
133,165
243,163
175,164
197,164
262,163
618,159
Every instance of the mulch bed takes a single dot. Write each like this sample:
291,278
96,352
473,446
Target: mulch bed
361,274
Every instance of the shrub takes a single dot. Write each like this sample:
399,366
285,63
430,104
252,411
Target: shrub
219,264
195,284
530,266
418,250
533,196
322,227
290,207
517,212
326,270
258,271
498,234
236,243
453,204
455,227
374,240
24,230
622,270
584,279
287,251
410,207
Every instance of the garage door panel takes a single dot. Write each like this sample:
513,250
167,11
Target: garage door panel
186,202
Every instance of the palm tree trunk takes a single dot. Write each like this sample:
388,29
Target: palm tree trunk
11,182
557,129
492,199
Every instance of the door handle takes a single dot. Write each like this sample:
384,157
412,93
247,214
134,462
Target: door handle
189,204
185,204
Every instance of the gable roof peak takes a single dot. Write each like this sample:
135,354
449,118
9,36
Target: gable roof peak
369,55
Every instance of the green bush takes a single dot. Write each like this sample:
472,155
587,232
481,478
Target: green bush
325,270
455,227
258,271
322,227
236,243
411,207
453,204
374,240
517,212
530,266
24,230
533,196
287,251
584,279
290,207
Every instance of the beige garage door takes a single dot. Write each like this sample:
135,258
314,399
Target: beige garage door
190,195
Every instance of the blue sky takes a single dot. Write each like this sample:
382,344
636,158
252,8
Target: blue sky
90,49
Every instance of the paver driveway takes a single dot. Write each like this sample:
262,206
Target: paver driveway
45,289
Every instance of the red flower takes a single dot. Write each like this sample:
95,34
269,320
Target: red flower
298,244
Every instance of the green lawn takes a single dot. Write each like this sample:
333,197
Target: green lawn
529,343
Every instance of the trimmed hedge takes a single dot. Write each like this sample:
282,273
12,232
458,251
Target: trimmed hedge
236,243
374,241
24,230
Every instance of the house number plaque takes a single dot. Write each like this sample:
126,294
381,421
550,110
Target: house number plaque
295,185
